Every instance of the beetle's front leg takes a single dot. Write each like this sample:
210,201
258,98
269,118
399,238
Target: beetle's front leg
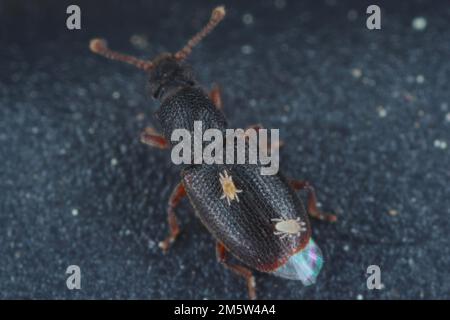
264,143
152,138
177,194
221,253
312,201
216,96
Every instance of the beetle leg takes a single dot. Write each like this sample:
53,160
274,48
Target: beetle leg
256,126
264,144
242,271
312,201
216,96
152,138
177,194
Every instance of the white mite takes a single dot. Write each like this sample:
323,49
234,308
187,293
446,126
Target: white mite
289,227
229,189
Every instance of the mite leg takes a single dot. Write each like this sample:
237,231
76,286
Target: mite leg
216,96
152,138
177,194
312,201
221,253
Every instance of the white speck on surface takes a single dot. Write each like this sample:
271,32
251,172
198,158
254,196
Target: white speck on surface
151,244
419,23
252,103
441,144
369,82
139,41
359,297
382,113
74,212
247,49
447,117
140,116
420,79
114,162
116,95
247,18
346,248
393,212
352,15
81,92
279,4
356,73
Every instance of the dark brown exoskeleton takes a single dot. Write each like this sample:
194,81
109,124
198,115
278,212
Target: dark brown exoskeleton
258,218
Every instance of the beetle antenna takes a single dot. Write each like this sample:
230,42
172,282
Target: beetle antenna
100,47
216,16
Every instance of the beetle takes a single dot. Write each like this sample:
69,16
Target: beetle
259,219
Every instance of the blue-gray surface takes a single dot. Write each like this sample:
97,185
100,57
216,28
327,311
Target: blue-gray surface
365,116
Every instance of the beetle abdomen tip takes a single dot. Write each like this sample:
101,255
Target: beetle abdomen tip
305,265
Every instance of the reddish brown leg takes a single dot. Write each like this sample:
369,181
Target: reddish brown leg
152,138
221,253
216,96
177,194
256,126
312,201
264,144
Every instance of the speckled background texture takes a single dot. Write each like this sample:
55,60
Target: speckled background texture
365,116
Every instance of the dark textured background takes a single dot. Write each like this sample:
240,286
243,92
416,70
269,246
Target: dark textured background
77,186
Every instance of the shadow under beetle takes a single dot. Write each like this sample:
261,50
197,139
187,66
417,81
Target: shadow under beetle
259,219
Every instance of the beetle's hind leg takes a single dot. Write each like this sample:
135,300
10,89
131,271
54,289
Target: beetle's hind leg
177,194
152,138
242,271
312,201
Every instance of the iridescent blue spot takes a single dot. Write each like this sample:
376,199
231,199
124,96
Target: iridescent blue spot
305,265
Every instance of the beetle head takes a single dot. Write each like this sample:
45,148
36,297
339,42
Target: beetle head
168,73
166,70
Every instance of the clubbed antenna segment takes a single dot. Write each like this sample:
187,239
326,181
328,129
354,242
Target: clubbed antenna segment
100,47
217,15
